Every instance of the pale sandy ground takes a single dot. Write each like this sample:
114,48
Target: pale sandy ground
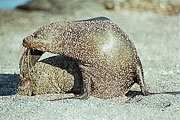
157,39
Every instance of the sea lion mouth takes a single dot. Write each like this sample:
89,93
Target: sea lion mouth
35,44
31,43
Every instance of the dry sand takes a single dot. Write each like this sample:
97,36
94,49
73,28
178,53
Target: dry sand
156,37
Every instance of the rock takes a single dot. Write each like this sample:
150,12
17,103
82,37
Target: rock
110,5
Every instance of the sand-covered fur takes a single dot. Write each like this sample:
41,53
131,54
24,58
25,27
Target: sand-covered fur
107,58
49,76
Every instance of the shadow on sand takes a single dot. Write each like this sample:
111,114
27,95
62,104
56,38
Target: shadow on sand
133,94
8,84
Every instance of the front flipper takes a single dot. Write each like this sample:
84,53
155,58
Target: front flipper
140,78
87,78
86,91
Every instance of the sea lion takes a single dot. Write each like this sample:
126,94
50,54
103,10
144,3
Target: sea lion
107,58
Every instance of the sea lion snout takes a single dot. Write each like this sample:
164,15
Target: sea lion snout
26,42
31,42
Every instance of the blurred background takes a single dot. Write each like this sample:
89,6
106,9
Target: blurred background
168,6
11,4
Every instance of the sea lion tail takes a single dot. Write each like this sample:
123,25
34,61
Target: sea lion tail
141,78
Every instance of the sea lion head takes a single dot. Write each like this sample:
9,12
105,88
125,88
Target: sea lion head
44,38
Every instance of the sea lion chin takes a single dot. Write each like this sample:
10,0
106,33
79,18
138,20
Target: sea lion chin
107,58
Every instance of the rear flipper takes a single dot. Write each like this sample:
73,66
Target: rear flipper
140,78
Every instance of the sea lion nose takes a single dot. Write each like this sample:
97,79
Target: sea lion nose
31,42
26,41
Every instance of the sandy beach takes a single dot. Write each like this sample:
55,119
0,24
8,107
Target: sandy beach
156,37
